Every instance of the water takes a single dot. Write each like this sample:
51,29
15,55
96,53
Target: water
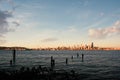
97,64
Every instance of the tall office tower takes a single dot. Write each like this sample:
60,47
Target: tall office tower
92,45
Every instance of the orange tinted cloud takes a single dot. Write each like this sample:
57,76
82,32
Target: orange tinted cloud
105,32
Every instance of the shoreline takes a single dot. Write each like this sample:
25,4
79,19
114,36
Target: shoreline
47,73
38,73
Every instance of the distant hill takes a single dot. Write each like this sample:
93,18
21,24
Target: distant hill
12,48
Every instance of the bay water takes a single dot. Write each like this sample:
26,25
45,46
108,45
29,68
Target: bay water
98,63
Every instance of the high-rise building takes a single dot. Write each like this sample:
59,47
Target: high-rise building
92,45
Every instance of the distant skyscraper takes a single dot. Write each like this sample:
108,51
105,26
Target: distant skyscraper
92,45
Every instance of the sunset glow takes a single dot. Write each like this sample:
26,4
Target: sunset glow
53,23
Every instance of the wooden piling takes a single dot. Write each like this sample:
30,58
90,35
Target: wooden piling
10,62
14,57
82,57
66,60
71,57
52,63
77,55
51,58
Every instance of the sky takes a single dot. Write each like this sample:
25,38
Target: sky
52,23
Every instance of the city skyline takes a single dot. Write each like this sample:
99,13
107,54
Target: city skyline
53,23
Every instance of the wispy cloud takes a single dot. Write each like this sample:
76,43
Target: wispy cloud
2,41
4,27
72,29
102,14
52,39
83,3
16,22
4,23
105,32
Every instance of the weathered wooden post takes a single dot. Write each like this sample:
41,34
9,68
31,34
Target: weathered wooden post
14,56
51,60
51,57
52,63
10,62
82,57
71,57
66,60
77,55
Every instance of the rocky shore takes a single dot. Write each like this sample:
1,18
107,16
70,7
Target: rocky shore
39,73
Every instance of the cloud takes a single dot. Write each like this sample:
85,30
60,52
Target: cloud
102,14
5,15
14,6
105,32
72,29
4,27
17,22
49,39
86,3
2,41
83,3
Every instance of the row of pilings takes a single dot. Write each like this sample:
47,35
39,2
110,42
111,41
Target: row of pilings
13,61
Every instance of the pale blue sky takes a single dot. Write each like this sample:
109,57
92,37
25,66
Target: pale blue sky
51,23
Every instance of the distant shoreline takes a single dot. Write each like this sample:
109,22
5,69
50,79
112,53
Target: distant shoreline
74,48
